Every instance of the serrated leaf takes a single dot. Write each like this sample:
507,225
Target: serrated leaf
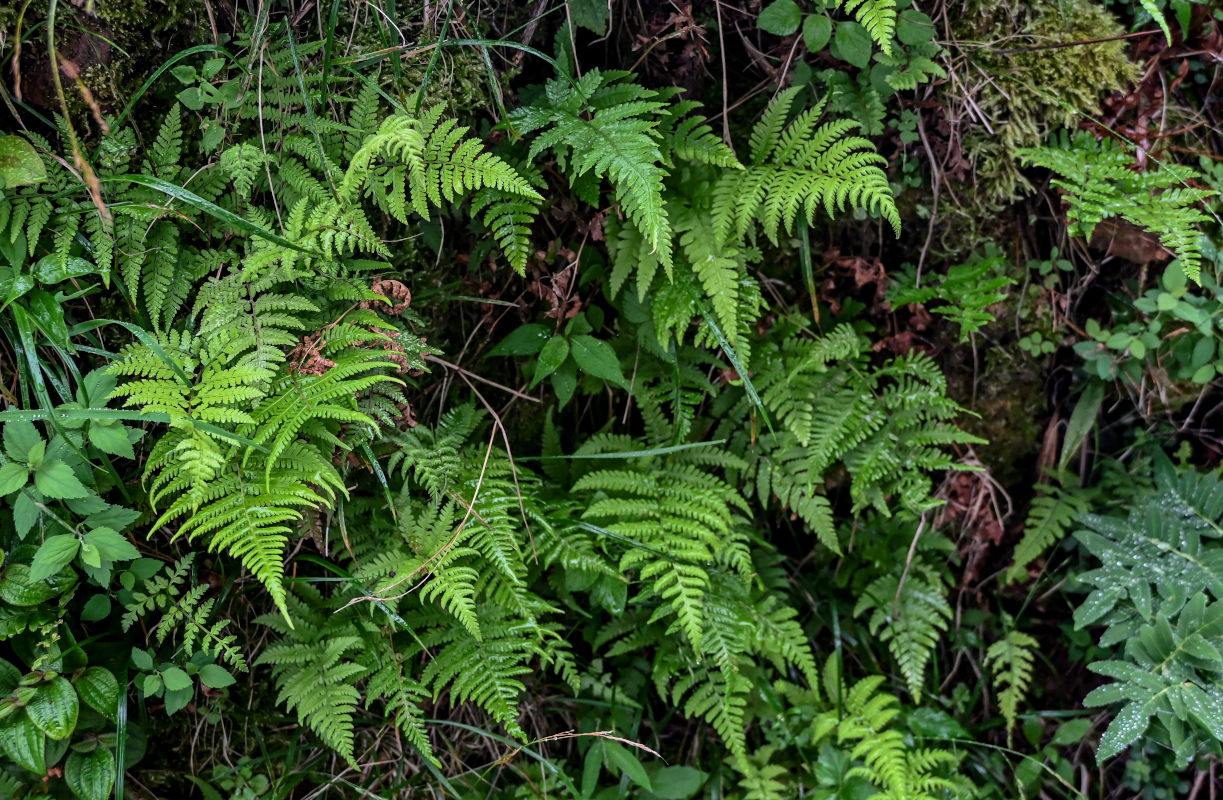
20,437
214,676
25,514
53,555
1129,724
111,439
12,478
56,479
111,545
175,679
141,659
54,708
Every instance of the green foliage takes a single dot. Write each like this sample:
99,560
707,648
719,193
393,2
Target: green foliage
908,612
1051,516
1010,661
886,424
1157,592
800,167
254,430
967,291
606,126
1100,183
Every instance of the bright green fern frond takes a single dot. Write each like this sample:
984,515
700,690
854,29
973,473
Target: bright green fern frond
1010,662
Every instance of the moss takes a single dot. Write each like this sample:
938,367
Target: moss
1024,92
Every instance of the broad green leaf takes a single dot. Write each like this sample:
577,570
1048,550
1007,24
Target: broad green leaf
565,383
526,340
90,775
627,763
590,14
12,478
177,699
852,43
17,588
53,555
142,659
10,676
111,545
13,284
96,608
53,268
23,742
20,437
597,358
25,514
90,556
214,676
99,689
817,31
551,357
914,27
781,17
54,708
591,767
48,316
20,164
1071,732
111,439
677,783
175,679
152,684
1082,420
56,479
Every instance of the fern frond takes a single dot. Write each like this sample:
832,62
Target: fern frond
1010,662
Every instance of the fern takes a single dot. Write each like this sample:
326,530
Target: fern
1010,662
799,168
893,768
418,163
316,670
1100,183
1053,512
909,612
877,16
607,127
886,424
186,609
677,521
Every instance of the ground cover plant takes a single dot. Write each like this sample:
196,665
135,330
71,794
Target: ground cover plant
750,399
